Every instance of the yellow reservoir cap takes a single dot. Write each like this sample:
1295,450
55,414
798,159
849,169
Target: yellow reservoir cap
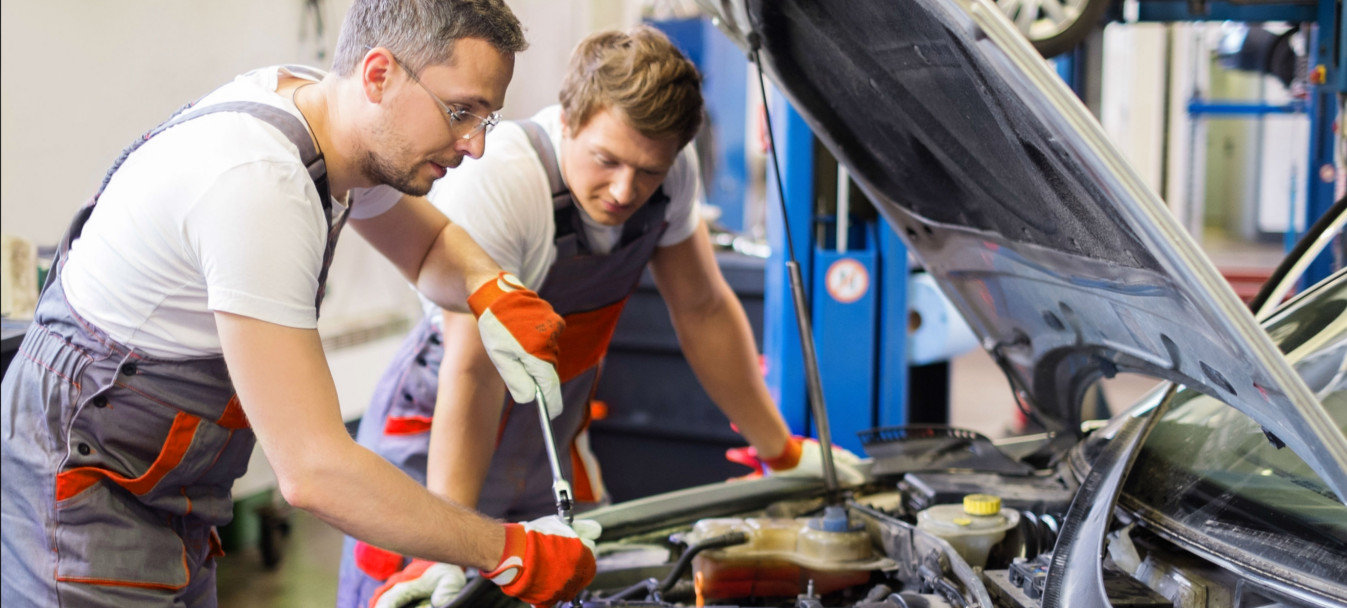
981,504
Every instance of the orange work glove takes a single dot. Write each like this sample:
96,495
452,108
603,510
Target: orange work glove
546,561
748,457
520,331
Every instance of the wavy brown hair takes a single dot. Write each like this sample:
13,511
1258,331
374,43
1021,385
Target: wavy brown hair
639,75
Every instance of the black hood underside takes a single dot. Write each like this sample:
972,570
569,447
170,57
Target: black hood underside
1064,263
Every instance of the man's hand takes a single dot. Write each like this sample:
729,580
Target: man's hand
419,581
520,331
545,561
802,458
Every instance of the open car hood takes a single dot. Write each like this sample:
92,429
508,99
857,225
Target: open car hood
1064,263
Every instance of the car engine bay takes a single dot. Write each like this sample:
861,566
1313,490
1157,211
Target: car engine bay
900,548
980,534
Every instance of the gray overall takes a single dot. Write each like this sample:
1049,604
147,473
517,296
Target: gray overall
117,466
589,292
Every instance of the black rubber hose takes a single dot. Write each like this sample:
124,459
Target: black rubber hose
684,562
646,585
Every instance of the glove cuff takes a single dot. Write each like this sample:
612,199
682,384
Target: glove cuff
378,563
541,568
492,290
788,458
516,542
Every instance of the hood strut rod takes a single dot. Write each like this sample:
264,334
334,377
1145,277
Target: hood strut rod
802,314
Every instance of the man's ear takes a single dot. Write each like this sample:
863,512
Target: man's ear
565,126
375,70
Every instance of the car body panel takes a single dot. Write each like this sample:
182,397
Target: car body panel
1064,263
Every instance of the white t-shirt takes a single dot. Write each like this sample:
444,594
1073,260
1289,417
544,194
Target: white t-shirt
217,213
504,202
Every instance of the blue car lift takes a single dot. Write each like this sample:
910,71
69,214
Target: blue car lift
864,371
1327,78
857,292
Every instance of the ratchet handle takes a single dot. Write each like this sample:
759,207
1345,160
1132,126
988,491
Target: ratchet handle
561,489
562,492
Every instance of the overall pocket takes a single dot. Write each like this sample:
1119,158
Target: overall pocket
412,392
104,536
156,452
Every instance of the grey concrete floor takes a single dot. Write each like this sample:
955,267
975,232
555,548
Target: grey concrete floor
306,576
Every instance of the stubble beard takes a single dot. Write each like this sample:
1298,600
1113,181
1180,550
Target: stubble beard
382,171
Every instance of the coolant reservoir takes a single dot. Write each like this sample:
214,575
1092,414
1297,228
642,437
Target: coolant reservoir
782,556
971,528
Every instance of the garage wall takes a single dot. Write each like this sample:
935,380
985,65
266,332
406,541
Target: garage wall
1132,107
80,78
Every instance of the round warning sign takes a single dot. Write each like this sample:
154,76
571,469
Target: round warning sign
847,280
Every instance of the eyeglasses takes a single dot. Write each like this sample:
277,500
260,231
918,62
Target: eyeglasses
457,117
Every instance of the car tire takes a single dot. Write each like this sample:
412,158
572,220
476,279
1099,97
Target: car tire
1054,36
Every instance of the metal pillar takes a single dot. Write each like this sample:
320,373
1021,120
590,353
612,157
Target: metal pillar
1327,80
781,337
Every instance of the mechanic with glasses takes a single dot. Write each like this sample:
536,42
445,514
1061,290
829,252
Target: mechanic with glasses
178,327
462,123
576,202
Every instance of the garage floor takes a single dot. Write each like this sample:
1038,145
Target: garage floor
307,575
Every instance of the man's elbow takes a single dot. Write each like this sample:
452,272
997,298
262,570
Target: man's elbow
297,490
306,483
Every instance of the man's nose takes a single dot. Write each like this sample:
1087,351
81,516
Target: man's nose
473,146
623,187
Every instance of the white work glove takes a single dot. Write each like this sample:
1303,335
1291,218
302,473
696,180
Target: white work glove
546,561
845,463
520,332
421,580
803,458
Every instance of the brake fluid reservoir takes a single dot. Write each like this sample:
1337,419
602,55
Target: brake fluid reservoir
971,528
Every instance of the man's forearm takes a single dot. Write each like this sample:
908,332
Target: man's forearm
454,267
435,255
718,344
364,496
286,389
467,414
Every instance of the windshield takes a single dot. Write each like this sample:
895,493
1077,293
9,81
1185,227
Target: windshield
1213,471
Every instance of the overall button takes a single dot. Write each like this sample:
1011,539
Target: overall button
129,368
434,338
100,401
421,360
84,449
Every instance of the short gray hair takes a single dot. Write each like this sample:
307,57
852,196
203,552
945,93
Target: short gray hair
422,32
